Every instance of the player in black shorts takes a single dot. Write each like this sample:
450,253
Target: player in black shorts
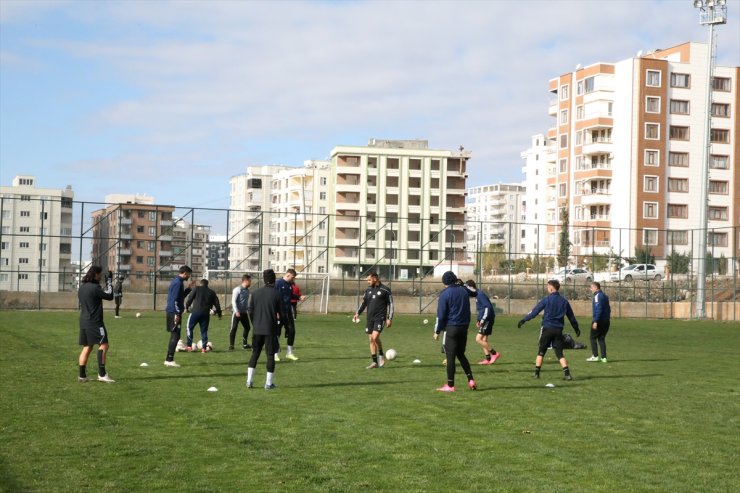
92,328
379,303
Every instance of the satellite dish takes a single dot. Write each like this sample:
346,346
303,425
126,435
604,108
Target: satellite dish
578,67
639,54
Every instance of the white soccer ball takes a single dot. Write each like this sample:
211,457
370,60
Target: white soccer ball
138,315
210,346
390,354
180,346
212,311
426,321
199,345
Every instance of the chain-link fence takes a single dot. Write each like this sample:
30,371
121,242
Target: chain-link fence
47,245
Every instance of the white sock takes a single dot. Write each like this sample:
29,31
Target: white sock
250,375
269,378
290,349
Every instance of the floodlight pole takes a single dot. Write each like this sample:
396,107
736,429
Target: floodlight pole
711,13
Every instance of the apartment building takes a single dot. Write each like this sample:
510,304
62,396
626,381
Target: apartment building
398,207
189,242
279,218
35,237
217,253
540,159
132,237
629,140
495,216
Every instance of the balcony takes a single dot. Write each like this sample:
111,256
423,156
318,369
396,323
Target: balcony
163,237
599,146
165,253
124,236
347,221
124,251
596,197
125,221
552,108
124,267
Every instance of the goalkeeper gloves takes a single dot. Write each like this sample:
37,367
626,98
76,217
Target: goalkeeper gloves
578,331
521,322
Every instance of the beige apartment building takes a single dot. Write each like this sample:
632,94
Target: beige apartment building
495,216
398,207
626,152
35,237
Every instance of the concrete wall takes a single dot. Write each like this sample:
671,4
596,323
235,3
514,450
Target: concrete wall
722,311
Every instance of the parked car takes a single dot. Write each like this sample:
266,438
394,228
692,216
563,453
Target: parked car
644,272
577,274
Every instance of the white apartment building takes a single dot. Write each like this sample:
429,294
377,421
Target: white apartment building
189,246
398,208
35,237
283,209
495,216
629,138
540,161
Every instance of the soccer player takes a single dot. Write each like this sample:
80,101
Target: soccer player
600,321
265,308
556,308
92,328
296,297
379,303
485,320
453,316
118,294
201,299
173,312
284,286
239,305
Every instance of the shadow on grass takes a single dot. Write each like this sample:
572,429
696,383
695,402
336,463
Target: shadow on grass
9,482
653,360
533,386
596,377
181,375
354,384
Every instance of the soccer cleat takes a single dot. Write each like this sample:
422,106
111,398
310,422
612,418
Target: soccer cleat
603,360
106,378
277,357
272,386
171,364
82,379
291,357
472,385
444,362
189,349
446,388
231,348
246,346
485,362
118,316
494,357
250,385
567,377
372,366
593,358
381,361
536,375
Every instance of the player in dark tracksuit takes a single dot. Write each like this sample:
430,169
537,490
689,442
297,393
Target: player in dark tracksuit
453,316
265,309
284,286
556,308
379,303
92,328
485,320
173,312
600,321
240,315
199,303
118,294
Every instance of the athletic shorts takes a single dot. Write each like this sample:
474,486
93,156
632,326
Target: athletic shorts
552,337
91,337
375,326
486,328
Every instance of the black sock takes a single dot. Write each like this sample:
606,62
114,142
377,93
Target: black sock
537,370
470,376
488,357
375,358
493,352
451,383
83,371
380,352
101,365
566,370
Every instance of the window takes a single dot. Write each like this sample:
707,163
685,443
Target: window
4,277
579,88
139,229
152,216
25,229
562,189
721,110
564,92
678,133
719,136
563,141
23,244
563,117
25,198
322,195
22,260
718,161
322,210
679,107
151,245
717,239
152,231
653,78
23,277
140,214
677,237
563,166
322,181
680,211
680,159
588,84
25,213
719,187
678,184
650,210
722,84
609,108
139,259
579,138
652,131
580,113
717,213
652,157
649,236
322,240
650,184
322,225
680,80
150,261
652,104
3,245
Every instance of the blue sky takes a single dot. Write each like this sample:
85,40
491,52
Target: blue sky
172,98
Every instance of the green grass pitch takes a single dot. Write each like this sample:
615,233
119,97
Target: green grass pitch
662,415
